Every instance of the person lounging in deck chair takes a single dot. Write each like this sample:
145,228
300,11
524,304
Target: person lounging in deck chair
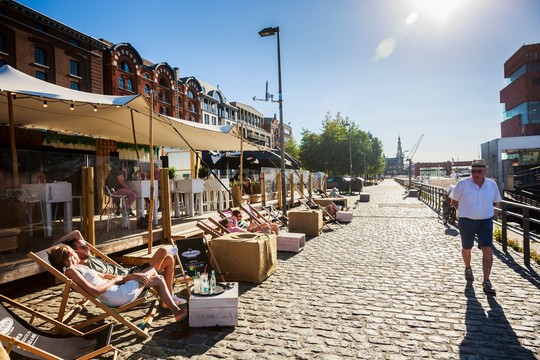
113,291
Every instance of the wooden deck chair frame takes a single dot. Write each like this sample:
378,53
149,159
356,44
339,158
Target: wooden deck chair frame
115,313
17,345
208,230
263,216
275,214
253,215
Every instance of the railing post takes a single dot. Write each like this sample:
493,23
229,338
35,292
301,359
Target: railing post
504,231
526,237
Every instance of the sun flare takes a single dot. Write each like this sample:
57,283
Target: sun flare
438,8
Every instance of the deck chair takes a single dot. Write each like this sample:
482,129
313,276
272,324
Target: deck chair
195,254
251,214
214,232
275,214
28,340
65,317
263,216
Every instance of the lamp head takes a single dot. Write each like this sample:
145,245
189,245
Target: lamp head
269,31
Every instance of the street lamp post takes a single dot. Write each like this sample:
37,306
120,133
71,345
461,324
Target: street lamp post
350,156
269,31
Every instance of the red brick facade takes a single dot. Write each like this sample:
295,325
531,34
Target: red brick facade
23,30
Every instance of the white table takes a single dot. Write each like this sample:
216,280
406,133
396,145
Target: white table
191,188
217,193
142,188
50,193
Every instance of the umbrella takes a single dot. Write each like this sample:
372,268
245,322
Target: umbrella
251,160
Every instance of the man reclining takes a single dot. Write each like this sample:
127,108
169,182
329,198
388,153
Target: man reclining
161,261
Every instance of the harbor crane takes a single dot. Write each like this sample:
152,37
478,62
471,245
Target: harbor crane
410,157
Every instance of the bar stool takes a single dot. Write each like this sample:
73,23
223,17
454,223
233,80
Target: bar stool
114,211
31,201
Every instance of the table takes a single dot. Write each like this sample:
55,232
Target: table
327,201
142,188
217,310
217,194
307,221
51,193
192,189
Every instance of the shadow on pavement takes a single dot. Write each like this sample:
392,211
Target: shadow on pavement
489,334
527,273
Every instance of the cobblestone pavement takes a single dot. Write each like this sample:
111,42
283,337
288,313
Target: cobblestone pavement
389,285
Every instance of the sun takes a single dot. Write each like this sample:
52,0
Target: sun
438,8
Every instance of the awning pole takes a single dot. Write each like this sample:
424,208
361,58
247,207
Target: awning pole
150,144
14,161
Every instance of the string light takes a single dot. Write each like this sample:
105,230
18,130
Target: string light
71,107
45,103
95,108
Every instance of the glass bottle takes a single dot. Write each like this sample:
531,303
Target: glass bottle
213,282
204,283
197,283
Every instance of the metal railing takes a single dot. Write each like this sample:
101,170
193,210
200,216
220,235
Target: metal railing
512,214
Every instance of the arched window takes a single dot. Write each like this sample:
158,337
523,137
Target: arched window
125,67
162,82
146,89
146,76
179,101
129,85
190,94
121,82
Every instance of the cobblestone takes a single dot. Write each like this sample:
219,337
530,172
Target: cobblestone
388,285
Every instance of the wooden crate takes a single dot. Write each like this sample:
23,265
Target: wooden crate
219,310
307,221
344,216
291,242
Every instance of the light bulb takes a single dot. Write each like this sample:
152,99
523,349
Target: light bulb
95,108
45,103
71,107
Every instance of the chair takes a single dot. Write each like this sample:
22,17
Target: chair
32,202
116,206
214,232
32,342
65,317
275,215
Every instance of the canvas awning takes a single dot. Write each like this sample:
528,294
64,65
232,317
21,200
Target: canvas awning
104,116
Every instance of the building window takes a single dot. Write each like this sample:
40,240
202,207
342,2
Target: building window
146,76
74,85
146,89
214,120
121,84
130,85
190,94
191,107
39,56
206,119
73,41
40,75
73,67
162,82
125,67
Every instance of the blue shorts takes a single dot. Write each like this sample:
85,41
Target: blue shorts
483,229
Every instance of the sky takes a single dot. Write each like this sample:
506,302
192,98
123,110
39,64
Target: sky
395,68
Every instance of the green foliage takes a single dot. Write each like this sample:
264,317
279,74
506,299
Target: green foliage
292,148
329,150
172,172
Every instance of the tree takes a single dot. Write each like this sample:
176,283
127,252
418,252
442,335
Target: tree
329,151
292,148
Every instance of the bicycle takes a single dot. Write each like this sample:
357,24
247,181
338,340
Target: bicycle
448,214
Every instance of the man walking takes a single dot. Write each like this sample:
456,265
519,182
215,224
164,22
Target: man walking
474,198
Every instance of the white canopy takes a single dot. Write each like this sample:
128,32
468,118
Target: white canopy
117,118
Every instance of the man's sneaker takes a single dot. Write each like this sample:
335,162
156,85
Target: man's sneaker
488,288
468,274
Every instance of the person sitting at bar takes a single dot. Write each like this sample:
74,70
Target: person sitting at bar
116,182
112,290
161,262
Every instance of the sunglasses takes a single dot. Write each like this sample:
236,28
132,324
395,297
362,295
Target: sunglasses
477,171
84,247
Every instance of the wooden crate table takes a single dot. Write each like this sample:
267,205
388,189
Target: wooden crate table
250,257
327,201
306,221
218,310
344,216
291,242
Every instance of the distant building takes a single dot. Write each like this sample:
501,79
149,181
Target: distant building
395,166
252,122
518,149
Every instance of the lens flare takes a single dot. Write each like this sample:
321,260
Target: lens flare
385,48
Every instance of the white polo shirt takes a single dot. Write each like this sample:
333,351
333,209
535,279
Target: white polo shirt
476,202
